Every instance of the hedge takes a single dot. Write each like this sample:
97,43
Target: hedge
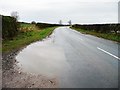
100,28
9,27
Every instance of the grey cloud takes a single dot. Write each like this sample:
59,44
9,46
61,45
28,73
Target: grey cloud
78,12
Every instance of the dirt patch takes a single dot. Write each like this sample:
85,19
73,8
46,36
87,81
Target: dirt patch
13,77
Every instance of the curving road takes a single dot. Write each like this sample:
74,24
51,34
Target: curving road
77,60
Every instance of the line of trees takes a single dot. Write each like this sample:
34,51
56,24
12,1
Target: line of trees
45,25
100,28
69,22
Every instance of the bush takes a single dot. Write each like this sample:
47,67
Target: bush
9,27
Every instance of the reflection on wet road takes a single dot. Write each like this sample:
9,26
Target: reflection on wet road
73,58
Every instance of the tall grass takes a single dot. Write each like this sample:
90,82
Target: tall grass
28,34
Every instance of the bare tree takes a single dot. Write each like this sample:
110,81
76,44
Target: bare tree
15,15
70,23
60,22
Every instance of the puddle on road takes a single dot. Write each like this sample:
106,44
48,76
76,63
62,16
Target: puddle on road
42,57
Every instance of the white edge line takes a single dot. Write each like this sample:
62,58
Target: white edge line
108,53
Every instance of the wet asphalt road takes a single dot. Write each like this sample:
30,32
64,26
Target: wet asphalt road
78,60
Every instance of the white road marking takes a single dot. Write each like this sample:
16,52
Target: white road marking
108,53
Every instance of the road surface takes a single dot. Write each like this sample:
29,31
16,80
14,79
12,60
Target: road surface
76,60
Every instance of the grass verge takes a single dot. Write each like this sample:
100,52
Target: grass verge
25,38
109,36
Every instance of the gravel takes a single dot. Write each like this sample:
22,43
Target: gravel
14,77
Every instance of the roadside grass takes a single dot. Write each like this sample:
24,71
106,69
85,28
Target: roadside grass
109,36
28,27
25,37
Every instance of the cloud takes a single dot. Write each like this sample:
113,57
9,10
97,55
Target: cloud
79,11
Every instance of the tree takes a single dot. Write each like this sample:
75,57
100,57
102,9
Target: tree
33,22
15,15
60,22
70,23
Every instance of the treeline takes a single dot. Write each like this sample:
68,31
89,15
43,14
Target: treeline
45,25
9,27
100,28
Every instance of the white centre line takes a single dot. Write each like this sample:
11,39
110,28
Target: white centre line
108,53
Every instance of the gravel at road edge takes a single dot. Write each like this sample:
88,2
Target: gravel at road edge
13,77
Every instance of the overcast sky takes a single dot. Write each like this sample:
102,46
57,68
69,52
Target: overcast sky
78,11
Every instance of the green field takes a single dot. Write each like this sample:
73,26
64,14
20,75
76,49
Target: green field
109,36
28,33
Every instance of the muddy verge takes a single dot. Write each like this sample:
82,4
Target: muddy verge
13,77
